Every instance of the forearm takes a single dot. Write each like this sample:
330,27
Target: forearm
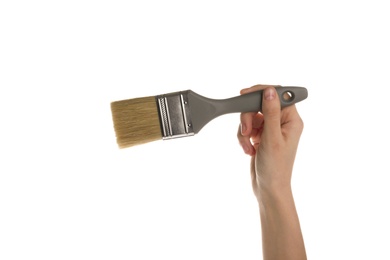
281,232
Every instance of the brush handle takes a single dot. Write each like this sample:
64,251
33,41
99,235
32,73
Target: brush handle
203,109
252,102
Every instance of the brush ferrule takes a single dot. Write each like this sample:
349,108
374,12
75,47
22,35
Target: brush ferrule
174,115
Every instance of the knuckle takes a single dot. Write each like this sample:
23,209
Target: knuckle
299,124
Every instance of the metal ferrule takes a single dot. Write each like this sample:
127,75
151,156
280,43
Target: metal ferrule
175,115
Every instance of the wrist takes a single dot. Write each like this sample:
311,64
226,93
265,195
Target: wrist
273,196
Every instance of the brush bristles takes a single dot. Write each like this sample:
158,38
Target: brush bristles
136,121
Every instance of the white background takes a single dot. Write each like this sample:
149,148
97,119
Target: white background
68,192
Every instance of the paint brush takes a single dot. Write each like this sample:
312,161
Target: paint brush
185,113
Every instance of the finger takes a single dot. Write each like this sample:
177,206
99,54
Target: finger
246,121
291,122
253,175
250,142
251,125
255,138
256,134
246,118
255,88
271,112
245,143
257,126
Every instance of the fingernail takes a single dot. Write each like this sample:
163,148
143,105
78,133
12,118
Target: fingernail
269,94
243,128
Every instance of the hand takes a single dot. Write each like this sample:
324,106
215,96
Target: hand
271,139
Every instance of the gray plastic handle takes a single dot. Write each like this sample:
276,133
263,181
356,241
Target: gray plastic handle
252,102
203,109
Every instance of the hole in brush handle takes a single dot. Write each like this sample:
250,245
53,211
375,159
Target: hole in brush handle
291,95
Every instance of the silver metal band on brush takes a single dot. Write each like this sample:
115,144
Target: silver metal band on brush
175,115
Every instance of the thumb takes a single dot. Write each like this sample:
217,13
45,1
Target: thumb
271,111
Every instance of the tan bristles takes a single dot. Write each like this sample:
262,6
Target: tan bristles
136,121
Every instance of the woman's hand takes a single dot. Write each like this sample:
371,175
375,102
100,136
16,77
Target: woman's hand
271,138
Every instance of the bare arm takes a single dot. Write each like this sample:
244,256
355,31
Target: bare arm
281,232
271,139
